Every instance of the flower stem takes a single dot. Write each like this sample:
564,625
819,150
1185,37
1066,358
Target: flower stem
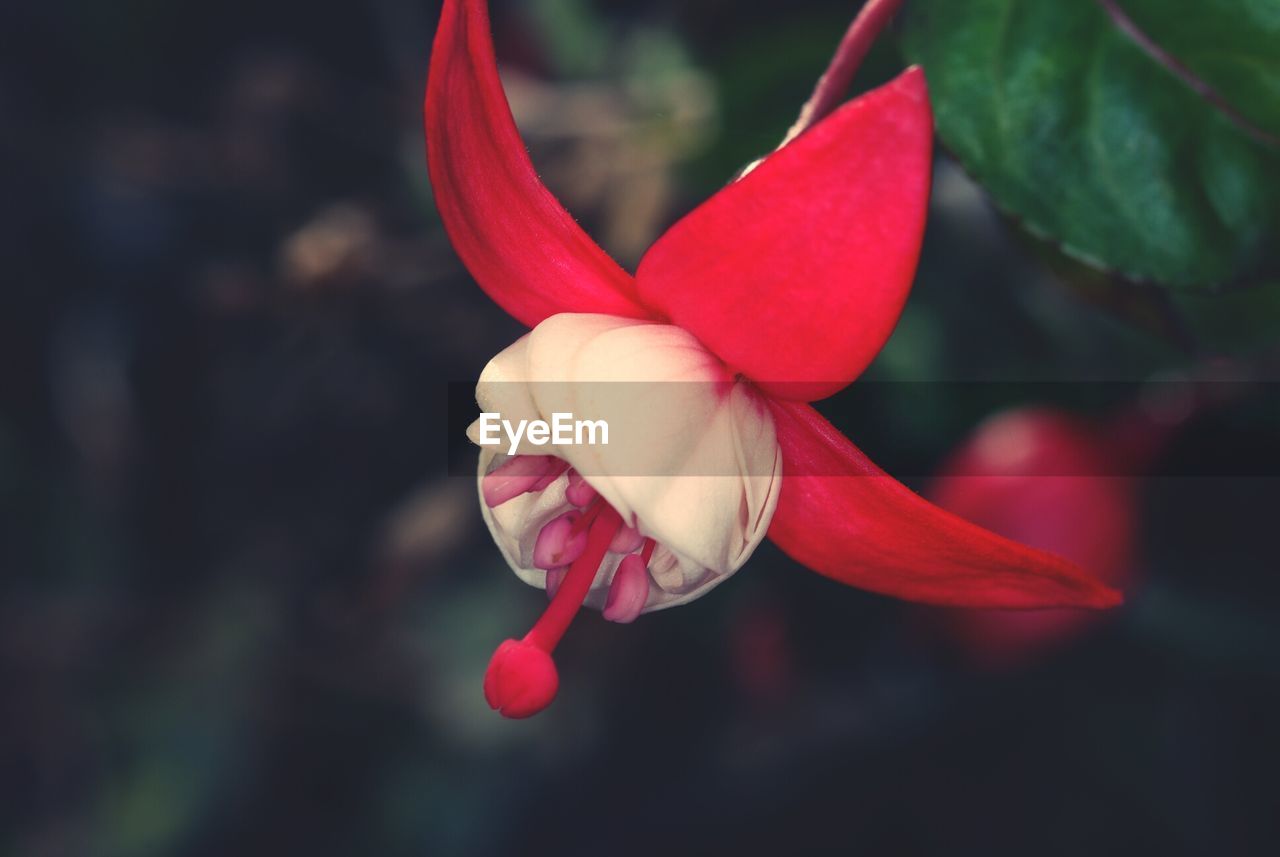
834,83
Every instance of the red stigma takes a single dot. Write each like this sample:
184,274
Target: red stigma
522,678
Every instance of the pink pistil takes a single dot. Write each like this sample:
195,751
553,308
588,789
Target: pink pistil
519,475
522,678
560,542
628,591
579,492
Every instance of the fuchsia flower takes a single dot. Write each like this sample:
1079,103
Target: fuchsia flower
775,292
1057,482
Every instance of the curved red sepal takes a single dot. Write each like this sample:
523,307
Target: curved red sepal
515,238
795,275
847,519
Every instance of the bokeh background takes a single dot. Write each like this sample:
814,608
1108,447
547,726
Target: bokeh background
245,609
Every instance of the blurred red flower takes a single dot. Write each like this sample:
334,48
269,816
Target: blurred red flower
1052,481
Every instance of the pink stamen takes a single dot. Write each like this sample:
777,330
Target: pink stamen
518,475
555,577
560,542
579,492
628,591
627,540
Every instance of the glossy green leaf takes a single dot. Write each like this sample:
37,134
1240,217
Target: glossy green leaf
1230,46
1095,144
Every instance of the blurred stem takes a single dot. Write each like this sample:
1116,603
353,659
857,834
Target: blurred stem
834,83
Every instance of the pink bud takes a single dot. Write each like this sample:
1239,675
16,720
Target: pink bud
515,476
558,543
628,592
579,493
626,540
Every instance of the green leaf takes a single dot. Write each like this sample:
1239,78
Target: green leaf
1233,46
1095,144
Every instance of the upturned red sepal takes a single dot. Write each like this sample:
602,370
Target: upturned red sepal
515,238
795,274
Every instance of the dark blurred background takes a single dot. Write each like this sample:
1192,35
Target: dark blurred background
245,610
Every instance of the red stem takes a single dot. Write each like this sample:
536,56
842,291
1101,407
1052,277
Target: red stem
835,81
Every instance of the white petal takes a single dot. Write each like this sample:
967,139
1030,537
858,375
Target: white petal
504,389
692,459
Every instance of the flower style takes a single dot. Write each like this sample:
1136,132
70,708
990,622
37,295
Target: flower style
777,291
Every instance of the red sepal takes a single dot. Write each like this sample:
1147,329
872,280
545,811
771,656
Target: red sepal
795,275
845,518
515,238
